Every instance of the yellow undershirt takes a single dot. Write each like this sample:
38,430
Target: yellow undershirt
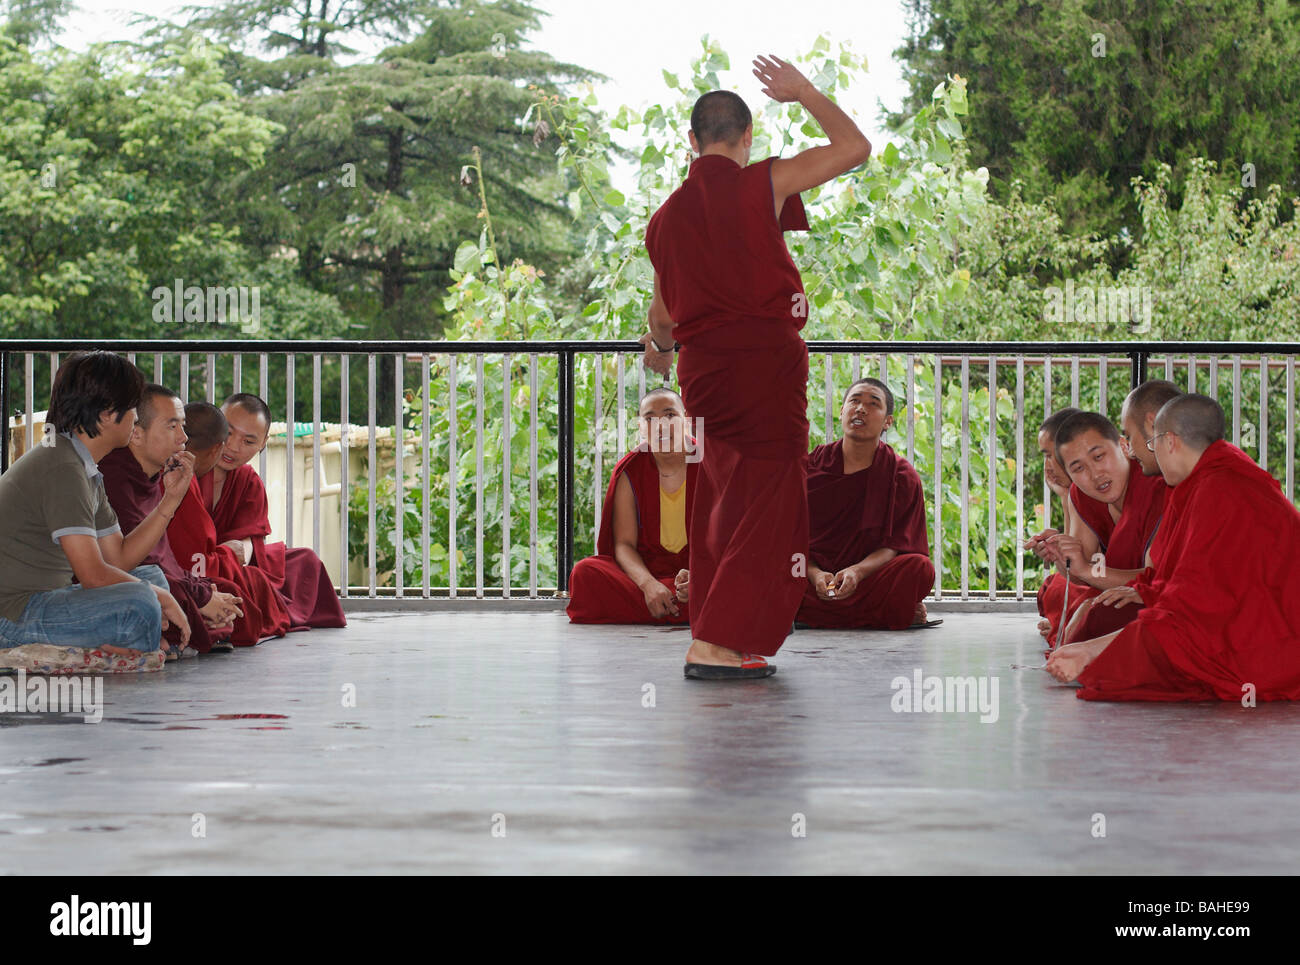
672,518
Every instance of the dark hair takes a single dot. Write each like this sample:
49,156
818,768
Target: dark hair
89,383
206,425
1196,419
1081,422
889,396
144,411
1053,421
252,403
1150,397
720,116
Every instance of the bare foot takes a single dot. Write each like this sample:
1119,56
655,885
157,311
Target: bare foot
920,616
712,654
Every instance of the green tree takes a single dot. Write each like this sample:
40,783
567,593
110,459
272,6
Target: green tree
1076,99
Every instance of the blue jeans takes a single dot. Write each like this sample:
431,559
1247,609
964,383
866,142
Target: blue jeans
122,615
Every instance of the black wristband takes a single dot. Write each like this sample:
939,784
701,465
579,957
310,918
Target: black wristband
656,345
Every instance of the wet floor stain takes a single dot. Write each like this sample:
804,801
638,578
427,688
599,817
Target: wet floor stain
715,705
102,827
54,761
248,717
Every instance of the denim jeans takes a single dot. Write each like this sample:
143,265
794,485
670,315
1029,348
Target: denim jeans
122,615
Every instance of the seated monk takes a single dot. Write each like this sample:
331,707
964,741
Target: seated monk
1059,483
193,538
145,482
1110,610
869,558
235,496
1222,610
1115,511
639,574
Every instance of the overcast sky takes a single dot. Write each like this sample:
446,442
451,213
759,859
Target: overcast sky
633,43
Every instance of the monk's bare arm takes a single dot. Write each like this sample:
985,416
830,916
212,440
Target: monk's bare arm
625,535
874,561
848,146
661,323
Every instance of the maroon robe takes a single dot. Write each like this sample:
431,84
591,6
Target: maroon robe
193,537
133,496
1124,544
737,304
850,517
298,574
599,590
1224,614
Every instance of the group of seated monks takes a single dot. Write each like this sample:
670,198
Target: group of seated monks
1178,563
139,525
869,559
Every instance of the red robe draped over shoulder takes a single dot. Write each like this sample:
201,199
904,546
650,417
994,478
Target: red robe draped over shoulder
737,304
133,496
852,516
298,574
599,590
1226,607
1123,542
193,536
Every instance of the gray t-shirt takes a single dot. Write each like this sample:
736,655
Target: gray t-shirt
52,491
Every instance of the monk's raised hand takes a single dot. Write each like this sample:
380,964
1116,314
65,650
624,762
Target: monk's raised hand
1118,596
176,477
781,81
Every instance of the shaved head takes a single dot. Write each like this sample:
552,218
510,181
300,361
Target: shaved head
663,390
206,426
1148,397
720,116
1196,419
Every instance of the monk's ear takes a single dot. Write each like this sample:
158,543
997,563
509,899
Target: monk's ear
695,145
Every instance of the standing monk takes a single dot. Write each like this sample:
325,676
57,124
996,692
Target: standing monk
726,288
234,494
869,557
639,574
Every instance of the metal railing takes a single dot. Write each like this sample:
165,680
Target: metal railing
968,413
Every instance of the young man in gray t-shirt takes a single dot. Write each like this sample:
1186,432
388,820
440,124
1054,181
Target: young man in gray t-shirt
59,524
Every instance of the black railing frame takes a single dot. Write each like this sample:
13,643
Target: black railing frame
566,351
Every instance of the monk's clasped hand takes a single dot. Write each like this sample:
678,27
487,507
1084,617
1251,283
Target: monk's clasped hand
845,583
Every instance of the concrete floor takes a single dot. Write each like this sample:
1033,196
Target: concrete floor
473,721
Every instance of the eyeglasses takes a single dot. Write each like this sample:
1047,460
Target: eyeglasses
1151,443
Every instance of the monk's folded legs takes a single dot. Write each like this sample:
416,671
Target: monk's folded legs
600,592
886,600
